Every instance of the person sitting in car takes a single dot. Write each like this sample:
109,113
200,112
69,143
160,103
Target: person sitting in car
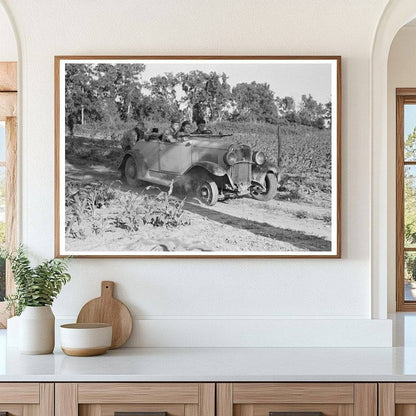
131,137
185,129
202,128
171,135
154,134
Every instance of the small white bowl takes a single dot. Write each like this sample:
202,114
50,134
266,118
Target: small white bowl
84,340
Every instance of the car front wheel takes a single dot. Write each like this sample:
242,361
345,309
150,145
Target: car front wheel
271,189
207,192
130,172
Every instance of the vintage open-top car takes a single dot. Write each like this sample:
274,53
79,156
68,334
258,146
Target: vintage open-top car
211,167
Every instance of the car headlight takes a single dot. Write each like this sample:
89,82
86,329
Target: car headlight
258,158
230,158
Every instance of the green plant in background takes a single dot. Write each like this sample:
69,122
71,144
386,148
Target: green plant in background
2,279
410,207
35,286
2,233
410,266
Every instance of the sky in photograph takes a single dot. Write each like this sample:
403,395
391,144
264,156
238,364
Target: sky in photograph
409,119
285,79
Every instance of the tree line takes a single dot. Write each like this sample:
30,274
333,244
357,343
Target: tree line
112,93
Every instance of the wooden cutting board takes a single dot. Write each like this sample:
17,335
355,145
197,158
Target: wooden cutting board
107,309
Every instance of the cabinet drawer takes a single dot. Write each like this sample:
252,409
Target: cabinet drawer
22,399
19,393
296,399
138,393
148,399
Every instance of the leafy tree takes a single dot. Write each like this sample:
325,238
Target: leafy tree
255,102
205,95
102,91
163,90
319,123
285,105
218,93
105,80
410,191
114,93
410,266
2,279
410,207
80,96
410,146
129,87
120,83
292,117
286,108
310,110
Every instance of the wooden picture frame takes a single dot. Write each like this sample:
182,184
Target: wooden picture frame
88,90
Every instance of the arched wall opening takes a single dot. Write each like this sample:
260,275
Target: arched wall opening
401,73
8,43
397,14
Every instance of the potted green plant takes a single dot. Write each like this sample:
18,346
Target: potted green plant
36,289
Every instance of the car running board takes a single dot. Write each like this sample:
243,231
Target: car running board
158,181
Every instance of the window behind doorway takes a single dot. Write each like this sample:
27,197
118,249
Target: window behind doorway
406,199
2,206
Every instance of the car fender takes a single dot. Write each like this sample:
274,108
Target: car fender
259,172
138,157
211,167
123,160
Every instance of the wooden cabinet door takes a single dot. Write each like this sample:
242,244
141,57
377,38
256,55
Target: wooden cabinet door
397,399
297,399
145,399
27,399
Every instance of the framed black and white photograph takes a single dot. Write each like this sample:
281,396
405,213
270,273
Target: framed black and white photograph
197,156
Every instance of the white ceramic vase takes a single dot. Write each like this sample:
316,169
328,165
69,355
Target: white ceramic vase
13,331
37,330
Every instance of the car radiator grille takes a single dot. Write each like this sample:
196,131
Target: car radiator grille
241,173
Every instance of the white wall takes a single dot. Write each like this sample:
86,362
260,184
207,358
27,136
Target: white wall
401,74
8,47
179,302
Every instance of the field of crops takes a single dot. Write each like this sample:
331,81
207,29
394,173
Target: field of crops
305,156
93,209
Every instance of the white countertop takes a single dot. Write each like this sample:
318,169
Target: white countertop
213,364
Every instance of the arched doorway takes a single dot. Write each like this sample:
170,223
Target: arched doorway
396,14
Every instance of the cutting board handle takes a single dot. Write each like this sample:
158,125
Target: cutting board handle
107,289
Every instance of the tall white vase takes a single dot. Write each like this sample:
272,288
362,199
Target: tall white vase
13,331
37,330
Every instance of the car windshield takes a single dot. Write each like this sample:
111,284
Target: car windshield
210,135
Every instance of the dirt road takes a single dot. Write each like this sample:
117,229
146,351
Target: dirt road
242,224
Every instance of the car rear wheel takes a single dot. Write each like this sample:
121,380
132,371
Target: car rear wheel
130,172
271,189
207,192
